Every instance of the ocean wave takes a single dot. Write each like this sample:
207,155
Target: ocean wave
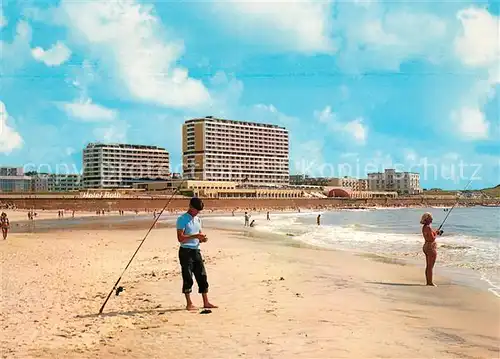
459,247
451,246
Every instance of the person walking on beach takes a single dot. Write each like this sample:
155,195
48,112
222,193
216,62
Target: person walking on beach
430,247
247,219
318,219
4,224
268,218
190,236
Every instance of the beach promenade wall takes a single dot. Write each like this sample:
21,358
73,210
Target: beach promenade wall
141,204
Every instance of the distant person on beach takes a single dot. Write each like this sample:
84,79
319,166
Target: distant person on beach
318,220
268,218
190,236
252,224
4,224
430,247
247,219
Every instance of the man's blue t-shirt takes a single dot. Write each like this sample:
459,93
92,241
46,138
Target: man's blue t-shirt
190,225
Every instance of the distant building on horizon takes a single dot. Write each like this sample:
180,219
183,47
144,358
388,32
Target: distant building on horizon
355,184
226,150
13,179
49,182
64,182
39,182
306,180
110,166
390,180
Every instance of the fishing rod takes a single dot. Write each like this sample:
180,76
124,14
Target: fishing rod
117,289
451,209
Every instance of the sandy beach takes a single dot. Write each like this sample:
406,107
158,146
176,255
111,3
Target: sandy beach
276,300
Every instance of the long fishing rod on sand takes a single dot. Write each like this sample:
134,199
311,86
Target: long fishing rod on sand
120,289
451,209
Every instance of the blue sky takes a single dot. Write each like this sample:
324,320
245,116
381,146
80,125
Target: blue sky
361,85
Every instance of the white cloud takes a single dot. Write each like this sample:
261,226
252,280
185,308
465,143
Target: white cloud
355,129
114,133
289,25
14,54
410,155
3,19
307,158
128,37
384,38
269,113
268,108
471,123
226,91
85,110
55,56
478,45
326,115
9,138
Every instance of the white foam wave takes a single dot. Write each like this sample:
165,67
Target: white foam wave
494,287
455,250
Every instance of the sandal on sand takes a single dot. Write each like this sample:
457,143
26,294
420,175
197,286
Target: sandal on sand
206,311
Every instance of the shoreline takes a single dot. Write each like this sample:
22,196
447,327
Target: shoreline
298,302
463,276
460,276
151,203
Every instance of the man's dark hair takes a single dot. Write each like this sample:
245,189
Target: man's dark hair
196,203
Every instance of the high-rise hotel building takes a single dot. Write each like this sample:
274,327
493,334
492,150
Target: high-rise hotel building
226,150
122,165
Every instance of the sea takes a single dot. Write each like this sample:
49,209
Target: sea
468,250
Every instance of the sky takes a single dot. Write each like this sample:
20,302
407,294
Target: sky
361,85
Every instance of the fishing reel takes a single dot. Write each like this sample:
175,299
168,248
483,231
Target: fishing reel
119,290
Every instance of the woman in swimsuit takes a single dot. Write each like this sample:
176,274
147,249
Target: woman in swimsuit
4,224
430,247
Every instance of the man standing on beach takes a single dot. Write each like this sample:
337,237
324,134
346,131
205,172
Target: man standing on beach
189,236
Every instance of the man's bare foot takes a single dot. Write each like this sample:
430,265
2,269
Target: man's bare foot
431,285
190,307
208,305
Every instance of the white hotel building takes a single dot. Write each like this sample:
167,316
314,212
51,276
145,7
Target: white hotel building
244,152
122,165
390,180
